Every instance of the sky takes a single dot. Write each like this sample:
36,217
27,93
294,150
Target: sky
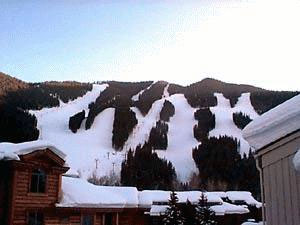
181,41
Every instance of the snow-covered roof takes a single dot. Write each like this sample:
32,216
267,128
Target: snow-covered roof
274,124
148,197
11,151
220,210
78,192
227,208
242,196
158,210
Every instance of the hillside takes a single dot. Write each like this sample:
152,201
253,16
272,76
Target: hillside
8,83
111,118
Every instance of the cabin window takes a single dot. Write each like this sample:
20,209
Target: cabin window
87,220
35,218
38,181
108,219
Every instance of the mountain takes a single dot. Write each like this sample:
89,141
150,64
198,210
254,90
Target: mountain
97,125
8,83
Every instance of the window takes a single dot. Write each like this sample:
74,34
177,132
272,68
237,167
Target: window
87,220
35,218
108,219
38,181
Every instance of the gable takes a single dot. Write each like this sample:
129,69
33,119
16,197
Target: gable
43,156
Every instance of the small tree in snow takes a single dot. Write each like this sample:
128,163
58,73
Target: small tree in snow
173,214
204,215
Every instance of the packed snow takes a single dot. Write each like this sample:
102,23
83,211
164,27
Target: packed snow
224,121
141,132
90,151
11,151
296,161
181,139
274,124
137,96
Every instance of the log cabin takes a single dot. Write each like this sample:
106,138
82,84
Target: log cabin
276,137
34,190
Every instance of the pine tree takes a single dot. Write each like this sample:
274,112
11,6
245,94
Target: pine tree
173,214
204,215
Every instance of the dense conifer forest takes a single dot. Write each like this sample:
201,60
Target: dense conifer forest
145,170
241,120
206,122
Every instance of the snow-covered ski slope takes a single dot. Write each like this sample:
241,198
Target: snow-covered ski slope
90,151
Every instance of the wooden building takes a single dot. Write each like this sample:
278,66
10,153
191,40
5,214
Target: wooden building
276,137
34,190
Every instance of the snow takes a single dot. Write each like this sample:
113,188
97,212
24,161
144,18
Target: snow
11,151
221,194
136,97
224,121
79,193
274,124
227,208
181,139
296,161
180,144
252,223
220,210
158,210
88,151
242,196
166,93
149,197
141,132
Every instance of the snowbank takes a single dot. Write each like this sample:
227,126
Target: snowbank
274,124
11,151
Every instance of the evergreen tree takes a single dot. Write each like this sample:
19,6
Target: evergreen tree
189,213
173,214
204,215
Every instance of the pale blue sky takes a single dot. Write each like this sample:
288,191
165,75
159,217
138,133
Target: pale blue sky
178,41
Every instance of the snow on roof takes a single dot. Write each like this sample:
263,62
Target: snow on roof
252,223
11,151
296,161
242,196
148,197
227,208
80,193
220,210
274,124
158,210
